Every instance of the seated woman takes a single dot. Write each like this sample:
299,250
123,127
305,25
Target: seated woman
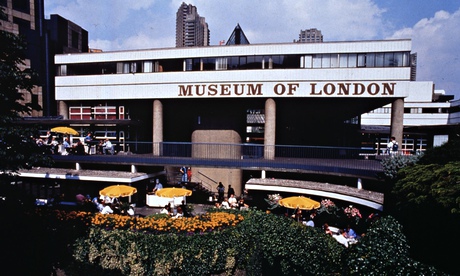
180,213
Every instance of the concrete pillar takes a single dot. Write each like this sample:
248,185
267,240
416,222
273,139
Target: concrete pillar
133,169
77,166
360,183
270,129
262,174
63,110
397,120
157,126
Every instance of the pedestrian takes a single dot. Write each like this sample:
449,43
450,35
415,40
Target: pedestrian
189,174
230,191
183,171
220,191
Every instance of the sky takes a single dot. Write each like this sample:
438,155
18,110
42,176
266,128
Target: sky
433,25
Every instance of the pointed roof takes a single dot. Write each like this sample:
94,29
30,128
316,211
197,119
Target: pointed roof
237,37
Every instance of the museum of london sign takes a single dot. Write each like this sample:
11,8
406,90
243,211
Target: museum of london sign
287,89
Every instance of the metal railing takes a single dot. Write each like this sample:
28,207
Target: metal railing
244,151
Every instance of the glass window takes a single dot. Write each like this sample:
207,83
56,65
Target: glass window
334,60
352,60
343,60
317,61
221,63
209,64
326,61
308,61
370,60
389,60
379,60
361,60
398,59
148,66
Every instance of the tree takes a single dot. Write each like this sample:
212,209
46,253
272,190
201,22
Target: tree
426,200
17,146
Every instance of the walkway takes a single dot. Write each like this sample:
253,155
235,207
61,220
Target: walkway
326,190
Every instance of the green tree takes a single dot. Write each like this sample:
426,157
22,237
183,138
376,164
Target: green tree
17,146
425,198
384,251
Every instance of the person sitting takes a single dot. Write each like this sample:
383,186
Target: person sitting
179,213
326,229
107,209
232,201
350,233
242,205
79,148
340,237
166,210
108,147
225,204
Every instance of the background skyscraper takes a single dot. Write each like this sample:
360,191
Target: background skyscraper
310,36
191,29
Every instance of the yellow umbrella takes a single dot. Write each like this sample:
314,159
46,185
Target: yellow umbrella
64,130
118,191
301,202
173,192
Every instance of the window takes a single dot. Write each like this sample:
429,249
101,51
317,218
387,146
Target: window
75,39
334,60
317,61
389,60
80,113
21,5
352,60
221,64
379,59
326,61
105,112
370,60
343,60
361,60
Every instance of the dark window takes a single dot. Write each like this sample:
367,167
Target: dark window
21,5
209,64
75,39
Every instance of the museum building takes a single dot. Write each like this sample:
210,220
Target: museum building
273,94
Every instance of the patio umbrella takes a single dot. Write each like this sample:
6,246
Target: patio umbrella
64,130
173,192
118,191
301,202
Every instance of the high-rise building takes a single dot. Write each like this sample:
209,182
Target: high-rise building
310,36
191,28
44,38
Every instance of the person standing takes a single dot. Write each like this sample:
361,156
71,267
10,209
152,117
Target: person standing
87,141
183,171
230,191
158,186
220,191
189,174
392,146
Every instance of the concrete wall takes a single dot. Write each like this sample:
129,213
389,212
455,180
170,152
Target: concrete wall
209,176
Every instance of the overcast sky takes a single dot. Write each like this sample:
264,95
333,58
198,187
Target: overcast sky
433,25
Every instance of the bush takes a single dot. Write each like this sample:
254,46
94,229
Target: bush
260,244
384,251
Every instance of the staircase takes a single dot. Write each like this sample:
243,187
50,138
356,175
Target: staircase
202,188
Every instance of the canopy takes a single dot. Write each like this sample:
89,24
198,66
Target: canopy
173,192
301,202
118,191
64,130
